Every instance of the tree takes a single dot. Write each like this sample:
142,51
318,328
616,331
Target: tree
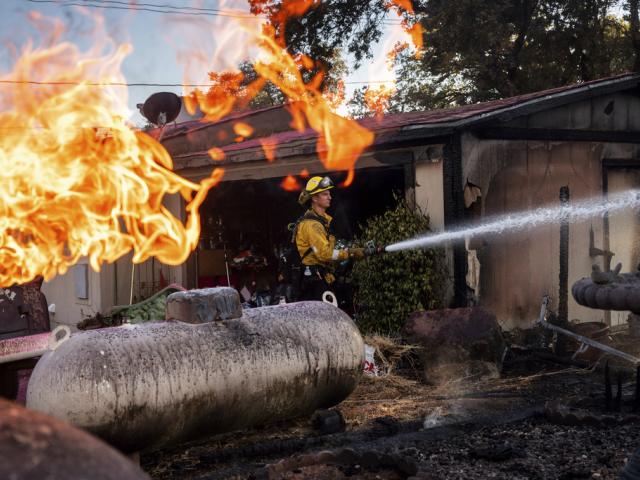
634,31
319,29
245,90
511,48
391,286
475,50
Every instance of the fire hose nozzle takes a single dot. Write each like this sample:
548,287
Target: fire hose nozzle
370,248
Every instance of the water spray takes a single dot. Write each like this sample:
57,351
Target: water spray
526,220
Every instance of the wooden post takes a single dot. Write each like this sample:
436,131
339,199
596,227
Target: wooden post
454,214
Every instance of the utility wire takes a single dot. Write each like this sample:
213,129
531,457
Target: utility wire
156,8
146,9
154,5
125,84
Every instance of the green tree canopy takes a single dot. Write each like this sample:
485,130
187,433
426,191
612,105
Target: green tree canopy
474,50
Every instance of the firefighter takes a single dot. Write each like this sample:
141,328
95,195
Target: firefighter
316,243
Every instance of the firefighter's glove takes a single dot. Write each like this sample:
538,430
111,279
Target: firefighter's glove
357,253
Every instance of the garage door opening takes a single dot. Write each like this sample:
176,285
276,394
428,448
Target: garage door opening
248,220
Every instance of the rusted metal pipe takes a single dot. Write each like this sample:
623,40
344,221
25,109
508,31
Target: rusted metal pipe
150,385
582,339
32,346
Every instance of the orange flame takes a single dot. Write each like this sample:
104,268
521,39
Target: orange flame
216,154
415,31
290,184
405,5
341,140
219,100
77,181
242,129
377,99
269,148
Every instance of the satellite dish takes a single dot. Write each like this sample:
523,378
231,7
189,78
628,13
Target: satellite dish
161,108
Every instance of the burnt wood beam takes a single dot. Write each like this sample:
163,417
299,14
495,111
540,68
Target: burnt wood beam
454,214
558,134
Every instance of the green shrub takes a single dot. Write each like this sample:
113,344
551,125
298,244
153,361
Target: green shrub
391,286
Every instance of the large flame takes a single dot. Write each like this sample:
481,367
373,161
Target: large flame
76,180
341,140
377,98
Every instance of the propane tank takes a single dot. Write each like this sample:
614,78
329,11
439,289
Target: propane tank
34,446
150,385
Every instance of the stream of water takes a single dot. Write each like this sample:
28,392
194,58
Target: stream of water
527,220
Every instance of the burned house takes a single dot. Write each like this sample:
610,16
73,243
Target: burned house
458,165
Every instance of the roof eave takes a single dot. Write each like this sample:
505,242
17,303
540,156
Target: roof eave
537,104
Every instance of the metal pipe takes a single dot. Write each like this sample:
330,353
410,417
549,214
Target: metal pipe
156,384
581,338
133,269
563,286
32,346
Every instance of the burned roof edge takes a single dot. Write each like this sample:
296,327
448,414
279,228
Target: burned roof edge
561,96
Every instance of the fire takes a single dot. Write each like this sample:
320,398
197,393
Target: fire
290,184
269,146
77,181
242,129
377,99
414,31
341,140
216,154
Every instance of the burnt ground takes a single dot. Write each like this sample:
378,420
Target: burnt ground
540,420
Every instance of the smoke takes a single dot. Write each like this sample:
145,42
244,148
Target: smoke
434,418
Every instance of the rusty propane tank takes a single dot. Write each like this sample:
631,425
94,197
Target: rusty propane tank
34,446
202,372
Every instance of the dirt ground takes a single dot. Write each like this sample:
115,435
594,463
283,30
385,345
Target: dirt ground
539,420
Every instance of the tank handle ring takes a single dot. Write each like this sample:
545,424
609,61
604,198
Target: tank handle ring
330,297
58,336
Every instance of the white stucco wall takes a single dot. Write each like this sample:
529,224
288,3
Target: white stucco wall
112,285
69,309
429,189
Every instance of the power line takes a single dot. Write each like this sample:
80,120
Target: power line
160,8
125,84
155,9
174,7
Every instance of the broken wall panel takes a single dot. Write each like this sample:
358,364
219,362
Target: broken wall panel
517,269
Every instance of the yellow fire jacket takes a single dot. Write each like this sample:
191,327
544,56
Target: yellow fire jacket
314,235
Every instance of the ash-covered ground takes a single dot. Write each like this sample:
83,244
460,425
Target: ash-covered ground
539,420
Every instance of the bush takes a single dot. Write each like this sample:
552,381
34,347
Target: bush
391,286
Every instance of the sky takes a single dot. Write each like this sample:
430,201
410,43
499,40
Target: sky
162,42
